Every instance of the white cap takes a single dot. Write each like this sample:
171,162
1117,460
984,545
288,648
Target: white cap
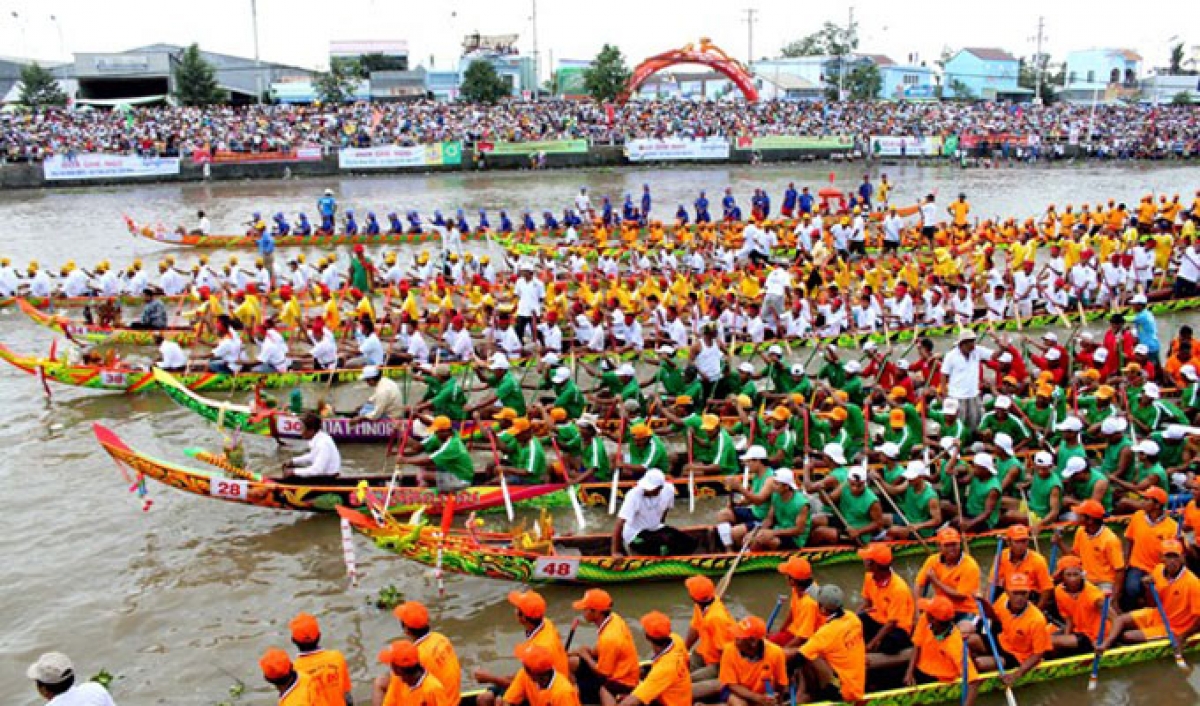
948,442
1151,390
1069,424
775,350
902,364
626,370
1053,354
853,367
1075,464
653,480
1141,349
1189,372
1003,402
589,418
1146,446
1138,299
1113,425
984,460
499,362
834,451
1174,431
369,373
551,358
916,469
950,406
798,369
890,449
857,473
869,346
785,476
1005,357
967,335
755,453
1087,336
560,375
746,368
329,192
1050,336
666,349
1101,355
51,668
1004,442
1043,459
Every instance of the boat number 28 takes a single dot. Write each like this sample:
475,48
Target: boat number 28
230,488
554,567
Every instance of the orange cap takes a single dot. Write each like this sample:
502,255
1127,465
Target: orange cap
506,413
896,418
1172,546
700,588
1018,582
938,607
412,614
656,625
558,414
876,552
519,425
641,431
401,653
1090,508
841,396
530,603
1155,493
441,424
838,413
899,391
305,628
275,664
750,628
797,567
594,599
534,657
948,535
1018,532
1070,561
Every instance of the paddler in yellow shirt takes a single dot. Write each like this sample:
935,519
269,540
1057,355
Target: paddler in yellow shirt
1164,243
330,311
1071,249
749,287
291,315
910,273
1067,220
249,311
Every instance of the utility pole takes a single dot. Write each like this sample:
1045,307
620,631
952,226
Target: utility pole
536,58
257,63
750,13
1037,61
850,35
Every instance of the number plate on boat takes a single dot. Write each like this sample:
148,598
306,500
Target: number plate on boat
287,424
551,568
230,488
109,378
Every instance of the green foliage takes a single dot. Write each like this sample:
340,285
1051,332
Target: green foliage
39,89
381,62
1182,98
607,78
389,597
337,84
832,38
864,82
1027,75
481,83
961,90
1177,59
196,80
104,678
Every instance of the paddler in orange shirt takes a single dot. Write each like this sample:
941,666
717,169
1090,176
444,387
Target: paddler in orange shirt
326,668
295,689
436,653
804,615
938,648
668,682
610,669
952,573
413,684
1080,604
709,630
539,630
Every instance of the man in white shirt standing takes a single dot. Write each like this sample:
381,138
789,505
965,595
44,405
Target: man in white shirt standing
1188,276
641,527
779,281
529,293
961,366
54,676
323,459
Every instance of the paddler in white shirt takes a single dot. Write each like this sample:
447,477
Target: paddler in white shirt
323,459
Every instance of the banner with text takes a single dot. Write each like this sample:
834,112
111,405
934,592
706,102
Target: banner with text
300,154
886,146
526,148
675,148
439,154
795,142
91,165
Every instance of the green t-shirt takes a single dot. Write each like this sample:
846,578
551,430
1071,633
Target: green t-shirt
508,391
785,440
568,439
756,484
450,456
1111,460
787,514
531,458
449,401
1065,453
1012,425
856,508
652,455
717,451
671,378
977,495
1004,466
1154,470
570,399
595,458
1159,414
1089,488
1170,453
1040,490
915,504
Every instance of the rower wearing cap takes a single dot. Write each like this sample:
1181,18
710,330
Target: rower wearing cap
1046,502
641,527
1070,431
326,668
833,662
668,681
53,675
593,461
1002,420
1173,451
1179,590
506,389
1152,413
1019,558
938,649
1083,483
645,451
950,423
712,450
1021,630
888,603
540,633
753,670
751,503
860,511
540,682
567,395
1080,603
434,651
385,401
789,520
917,499
523,454
322,462
803,615
1144,536
1118,458
952,573
609,669
443,456
295,688
710,629
981,502
1148,473
412,683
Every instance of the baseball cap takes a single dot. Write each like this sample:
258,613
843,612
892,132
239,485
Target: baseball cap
781,413
708,422
275,664
876,552
1174,431
1172,546
750,628
530,603
1018,582
1105,392
950,406
1113,425
1004,442
1043,458
641,431
656,625
755,453
441,424
1075,464
853,367
305,628
1146,446
594,599
626,370
1101,355
786,476
798,369
830,596
985,460
1018,532
1138,299
1155,493
796,567
939,608
1053,354
1189,372
889,449
534,657
1090,508
1003,402
1151,390
53,668
916,469
560,375
499,362
700,588
412,614
402,653
834,451
653,480
1069,424
369,373
948,535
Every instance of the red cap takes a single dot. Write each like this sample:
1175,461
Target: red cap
358,248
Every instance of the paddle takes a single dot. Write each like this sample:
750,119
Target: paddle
775,612
1094,680
571,634
728,577
995,574
508,506
987,630
966,671
612,496
1162,614
572,489
833,506
899,512
691,477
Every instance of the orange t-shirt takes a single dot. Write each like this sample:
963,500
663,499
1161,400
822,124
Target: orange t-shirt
1082,609
328,671
1101,555
1032,565
524,690
1191,517
438,656
892,601
712,626
547,636
304,692
804,615
669,681
616,655
962,577
426,692
1025,634
754,674
960,210
1180,597
1146,539
942,658
840,642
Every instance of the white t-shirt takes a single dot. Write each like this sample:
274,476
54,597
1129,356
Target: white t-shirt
322,459
778,282
529,296
86,694
644,513
173,357
962,372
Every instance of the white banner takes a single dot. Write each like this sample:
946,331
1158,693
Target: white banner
885,146
392,156
107,166
675,148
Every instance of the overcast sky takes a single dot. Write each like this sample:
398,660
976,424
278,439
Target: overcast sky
298,31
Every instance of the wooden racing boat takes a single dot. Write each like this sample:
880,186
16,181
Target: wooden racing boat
63,302
166,237
95,334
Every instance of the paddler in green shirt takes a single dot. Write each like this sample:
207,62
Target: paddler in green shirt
594,463
447,398
853,384
776,370
918,500
507,389
631,389
1189,398
1082,483
360,271
831,426
445,453
832,371
565,435
712,451
669,374
1041,413
1009,469
1045,492
898,432
981,505
949,422
893,469
1152,413
796,380
789,521
751,503
1099,407
1071,446
780,440
525,462
644,451
1002,420
683,414
568,396
1172,447
859,507
745,385
833,458
1117,461
1147,473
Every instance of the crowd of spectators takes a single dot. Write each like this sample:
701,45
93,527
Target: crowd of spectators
1108,131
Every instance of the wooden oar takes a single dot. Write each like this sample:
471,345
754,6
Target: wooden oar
1162,615
572,489
728,577
508,506
571,634
899,512
616,476
987,630
837,511
1094,680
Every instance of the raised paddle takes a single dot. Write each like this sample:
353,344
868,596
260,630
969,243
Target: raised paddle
994,579
899,512
1094,680
612,495
1162,615
966,671
775,612
728,577
508,506
987,630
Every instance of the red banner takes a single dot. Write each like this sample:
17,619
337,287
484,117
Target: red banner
973,141
302,154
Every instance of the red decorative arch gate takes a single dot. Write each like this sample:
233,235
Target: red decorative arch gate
708,54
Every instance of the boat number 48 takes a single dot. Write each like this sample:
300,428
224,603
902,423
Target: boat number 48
555,567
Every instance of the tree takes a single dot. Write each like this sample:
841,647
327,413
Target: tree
39,88
864,82
337,84
832,39
1027,76
380,62
196,80
1182,98
481,83
1177,59
607,78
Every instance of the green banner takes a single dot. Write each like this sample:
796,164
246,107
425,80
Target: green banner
547,146
794,142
